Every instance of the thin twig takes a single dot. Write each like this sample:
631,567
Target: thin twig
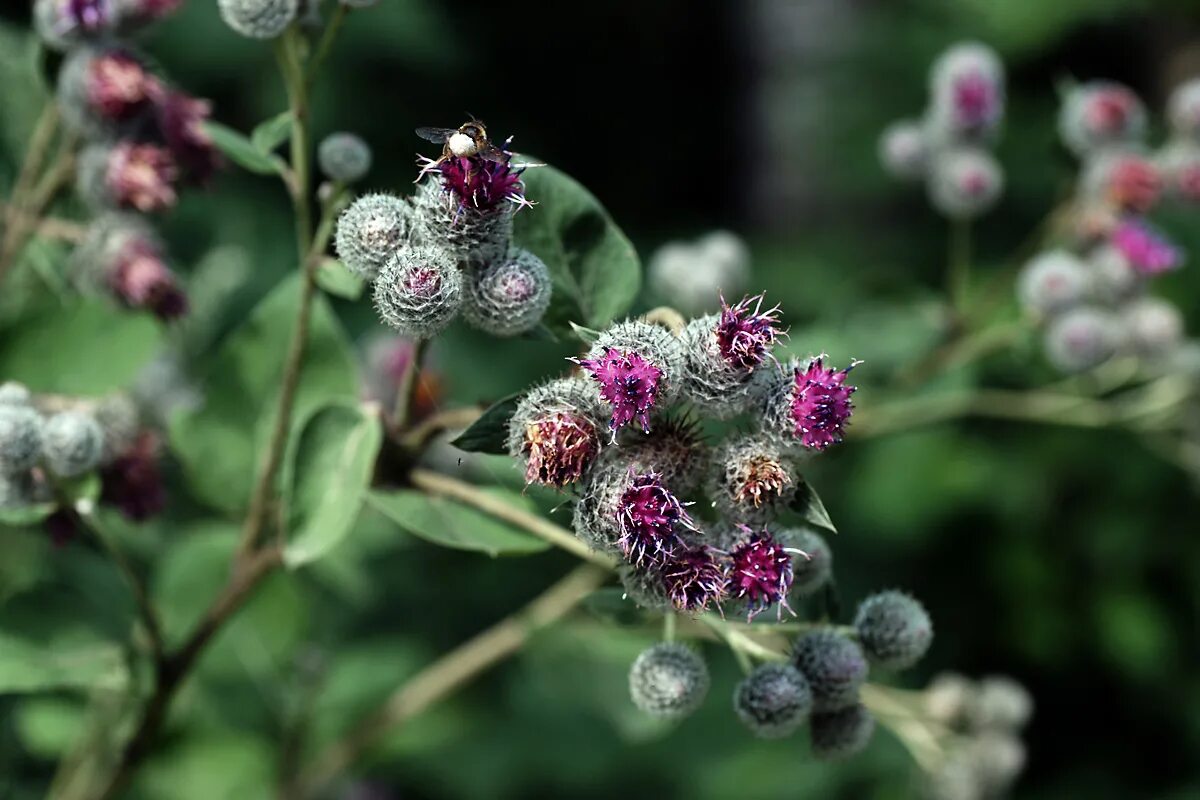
410,383
451,671
453,419
136,587
327,38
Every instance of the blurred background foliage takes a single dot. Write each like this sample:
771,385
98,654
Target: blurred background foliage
1065,558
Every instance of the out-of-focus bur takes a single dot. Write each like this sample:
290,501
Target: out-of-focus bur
344,157
964,182
419,291
258,19
904,150
1098,115
691,276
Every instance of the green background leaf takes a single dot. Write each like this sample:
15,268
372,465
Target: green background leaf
448,524
488,433
242,151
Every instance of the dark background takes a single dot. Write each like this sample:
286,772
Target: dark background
1068,559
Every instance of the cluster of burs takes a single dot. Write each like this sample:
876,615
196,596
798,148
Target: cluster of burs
447,251
948,146
1089,289
142,141
48,439
623,432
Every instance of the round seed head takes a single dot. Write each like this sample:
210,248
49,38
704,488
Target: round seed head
1154,326
948,697
556,431
1112,278
509,296
842,733
20,439
834,665
72,443
751,479
668,681
14,394
344,157
997,760
419,291
370,232
964,182
259,19
1183,110
1100,114
1052,281
812,568
1001,704
904,150
894,629
1082,338
967,91
773,701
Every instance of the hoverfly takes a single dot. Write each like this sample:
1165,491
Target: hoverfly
469,140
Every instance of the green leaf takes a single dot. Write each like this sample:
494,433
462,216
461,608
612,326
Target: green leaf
27,666
595,268
810,508
217,443
273,132
26,515
242,151
333,277
334,461
22,88
49,725
586,335
207,766
489,433
449,524
105,348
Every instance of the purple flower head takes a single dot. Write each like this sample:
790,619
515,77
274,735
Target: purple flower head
975,98
821,404
561,446
696,578
133,481
1147,250
647,519
139,277
745,332
142,177
181,119
761,572
479,183
118,86
628,382
1111,109
90,16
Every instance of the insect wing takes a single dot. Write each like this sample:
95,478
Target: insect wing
438,135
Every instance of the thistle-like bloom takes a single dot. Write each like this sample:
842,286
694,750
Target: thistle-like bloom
964,182
649,517
745,333
1052,281
696,578
479,184
751,479
140,278
628,382
1129,181
760,573
821,406
63,23
118,86
1100,114
141,176
967,86
559,448
181,121
1148,251
133,481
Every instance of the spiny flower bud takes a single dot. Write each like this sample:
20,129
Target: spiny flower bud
1147,250
1001,704
258,19
997,760
1052,281
668,681
645,588
132,482
964,182
344,157
674,448
556,431
72,443
903,150
834,665
810,406
637,367
1179,165
123,256
181,120
1183,110
14,394
1155,327
648,518
842,733
100,89
127,175
893,629
721,354
419,291
1082,338
1128,181
20,439
64,23
508,296
369,233
751,479
760,572
118,418
967,91
812,566
695,578
773,701
476,235
1100,114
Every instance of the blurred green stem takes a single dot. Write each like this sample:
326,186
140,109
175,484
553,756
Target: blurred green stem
958,277
326,44
449,673
410,384
136,587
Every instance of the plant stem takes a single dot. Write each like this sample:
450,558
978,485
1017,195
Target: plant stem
444,486
327,38
30,198
958,274
452,419
136,587
410,383
451,671
669,626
